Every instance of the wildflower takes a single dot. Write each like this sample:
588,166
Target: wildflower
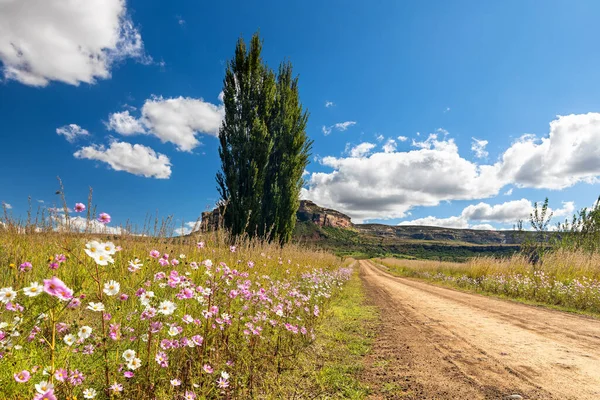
134,364
162,359
43,387
197,339
26,266
57,288
109,248
135,265
76,378
173,330
69,340
182,256
129,354
232,249
207,263
189,395
163,262
33,289
49,395
95,306
22,376
89,393
53,265
79,207
128,374
207,368
194,265
224,375
60,258
175,382
174,262
74,303
103,259
84,332
222,383
145,298
166,307
116,387
93,248
111,288
154,254
104,218
7,294
60,374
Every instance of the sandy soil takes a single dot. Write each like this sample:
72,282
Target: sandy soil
439,343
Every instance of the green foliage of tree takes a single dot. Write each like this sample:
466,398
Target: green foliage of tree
263,146
583,232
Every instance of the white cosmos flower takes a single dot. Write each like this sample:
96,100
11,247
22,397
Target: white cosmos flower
182,255
207,263
224,375
109,248
69,340
7,294
166,307
134,364
135,265
145,298
173,331
103,259
89,393
129,354
43,387
93,248
95,306
84,332
111,288
33,289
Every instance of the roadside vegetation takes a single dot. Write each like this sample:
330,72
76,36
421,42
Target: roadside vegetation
559,269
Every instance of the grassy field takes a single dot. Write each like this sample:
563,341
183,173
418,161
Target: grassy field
565,279
91,315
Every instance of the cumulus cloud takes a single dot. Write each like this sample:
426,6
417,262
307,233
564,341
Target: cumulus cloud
361,150
80,224
340,126
402,138
389,146
387,185
508,212
135,159
74,42
187,228
329,104
175,120
6,205
478,147
72,132
508,192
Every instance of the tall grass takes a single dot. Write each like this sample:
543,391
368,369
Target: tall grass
155,317
563,278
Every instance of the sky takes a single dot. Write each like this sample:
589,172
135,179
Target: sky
458,114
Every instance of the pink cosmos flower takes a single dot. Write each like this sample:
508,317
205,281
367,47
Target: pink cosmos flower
57,288
60,374
174,261
128,374
76,378
232,249
22,376
79,207
123,297
116,387
207,368
60,258
104,218
222,383
53,265
200,245
74,303
49,395
175,382
163,262
189,395
26,266
154,254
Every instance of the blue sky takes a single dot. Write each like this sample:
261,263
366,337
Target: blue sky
369,72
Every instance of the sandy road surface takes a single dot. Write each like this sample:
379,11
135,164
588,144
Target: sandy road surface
438,343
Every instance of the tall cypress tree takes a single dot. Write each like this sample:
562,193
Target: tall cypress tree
264,148
248,96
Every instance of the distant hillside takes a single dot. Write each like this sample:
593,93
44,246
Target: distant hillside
332,230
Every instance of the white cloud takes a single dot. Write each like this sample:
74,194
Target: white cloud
125,124
188,228
402,138
508,192
379,138
72,132
387,185
6,205
70,42
180,20
81,224
329,104
340,126
176,120
135,159
41,201
447,109
478,147
508,212
361,150
389,146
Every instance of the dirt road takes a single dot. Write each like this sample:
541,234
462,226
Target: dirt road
438,343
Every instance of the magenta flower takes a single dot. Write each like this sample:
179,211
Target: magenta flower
26,266
60,374
57,288
79,207
49,395
154,254
22,376
53,265
76,378
128,374
74,303
104,218
123,297
222,383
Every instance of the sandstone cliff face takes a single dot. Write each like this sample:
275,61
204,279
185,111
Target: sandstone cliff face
308,211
